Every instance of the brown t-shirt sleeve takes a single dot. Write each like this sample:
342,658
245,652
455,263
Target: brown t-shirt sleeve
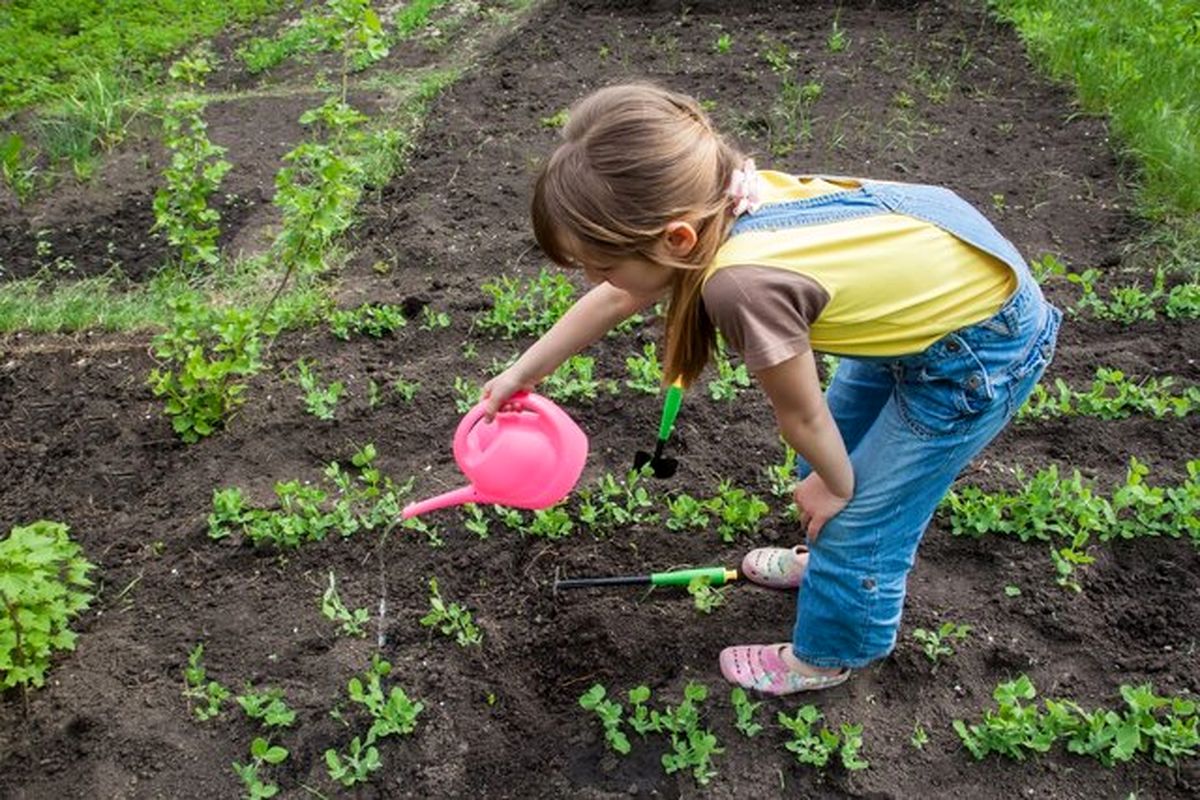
764,313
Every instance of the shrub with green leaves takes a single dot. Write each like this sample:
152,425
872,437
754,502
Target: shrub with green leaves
195,171
1167,729
451,619
43,585
526,308
205,352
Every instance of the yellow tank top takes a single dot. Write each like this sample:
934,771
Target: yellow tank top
896,284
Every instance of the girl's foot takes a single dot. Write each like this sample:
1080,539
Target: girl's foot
776,567
774,669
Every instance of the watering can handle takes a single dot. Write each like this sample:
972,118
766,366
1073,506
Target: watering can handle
523,400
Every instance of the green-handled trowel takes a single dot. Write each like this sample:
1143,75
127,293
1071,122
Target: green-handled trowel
663,467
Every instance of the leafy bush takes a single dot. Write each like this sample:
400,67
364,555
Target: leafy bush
43,582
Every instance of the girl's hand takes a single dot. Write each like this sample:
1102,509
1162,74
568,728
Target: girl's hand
500,388
816,504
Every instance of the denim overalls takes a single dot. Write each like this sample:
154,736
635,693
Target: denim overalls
910,424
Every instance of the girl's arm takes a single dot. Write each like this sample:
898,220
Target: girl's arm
806,424
593,315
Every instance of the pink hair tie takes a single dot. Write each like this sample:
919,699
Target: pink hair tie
744,189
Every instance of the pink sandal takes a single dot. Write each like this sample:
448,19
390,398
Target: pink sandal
761,667
776,567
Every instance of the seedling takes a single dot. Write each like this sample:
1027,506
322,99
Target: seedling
556,120
394,715
730,380
551,523
43,585
919,737
262,752
406,390
837,41
268,707
610,714
355,766
352,622
691,745
434,320
209,694
737,511
526,309
724,44
645,371
611,504
705,597
451,619
573,380
744,710
475,520
642,721
782,477
466,394
816,746
369,319
936,644
320,401
686,513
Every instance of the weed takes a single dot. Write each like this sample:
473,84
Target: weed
208,694
730,380
320,401
434,320
744,710
89,116
17,170
936,644
705,596
837,41
451,619
43,585
333,608
791,115
724,44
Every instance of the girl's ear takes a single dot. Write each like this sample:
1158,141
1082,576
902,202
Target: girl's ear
679,239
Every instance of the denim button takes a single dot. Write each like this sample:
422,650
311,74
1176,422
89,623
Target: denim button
868,584
974,381
952,346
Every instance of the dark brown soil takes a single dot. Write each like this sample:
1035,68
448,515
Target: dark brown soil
82,440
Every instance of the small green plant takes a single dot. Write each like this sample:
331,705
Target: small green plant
194,173
320,401
467,394
737,511
261,752
692,746
613,504
551,523
815,745
406,390
724,44
686,513
610,714
642,720
645,371
790,118
370,319
1112,396
705,596
936,644
744,710
393,714
451,619
556,120
529,308
573,380
16,168
475,521
782,477
837,41
333,608
919,737
730,380
208,695
43,585
433,320
268,707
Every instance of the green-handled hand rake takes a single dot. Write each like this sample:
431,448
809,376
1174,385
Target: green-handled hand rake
717,576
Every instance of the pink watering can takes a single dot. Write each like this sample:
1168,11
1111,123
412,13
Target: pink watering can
530,456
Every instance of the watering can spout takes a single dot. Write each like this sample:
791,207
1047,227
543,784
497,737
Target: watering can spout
456,497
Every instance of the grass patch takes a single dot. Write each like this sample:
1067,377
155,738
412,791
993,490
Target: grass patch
45,44
1138,63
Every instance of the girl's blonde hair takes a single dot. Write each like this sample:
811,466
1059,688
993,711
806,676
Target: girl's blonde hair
634,158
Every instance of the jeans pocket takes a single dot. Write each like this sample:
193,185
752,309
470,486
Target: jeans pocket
939,408
1041,352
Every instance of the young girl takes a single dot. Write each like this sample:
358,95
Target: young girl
941,329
